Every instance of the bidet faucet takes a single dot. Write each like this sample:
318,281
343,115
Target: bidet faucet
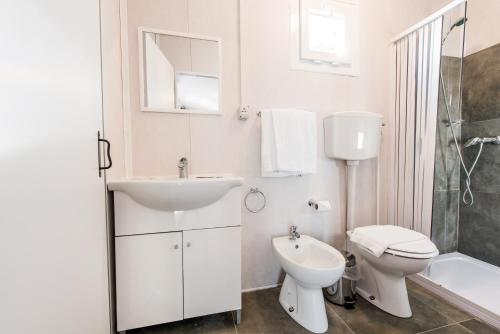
183,168
293,233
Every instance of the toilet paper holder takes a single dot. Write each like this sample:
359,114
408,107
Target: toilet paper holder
319,206
313,204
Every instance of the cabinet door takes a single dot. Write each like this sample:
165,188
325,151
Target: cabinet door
53,246
148,279
212,271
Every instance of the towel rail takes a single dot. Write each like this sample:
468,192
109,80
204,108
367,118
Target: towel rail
259,113
257,192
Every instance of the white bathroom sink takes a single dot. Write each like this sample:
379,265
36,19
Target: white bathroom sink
174,194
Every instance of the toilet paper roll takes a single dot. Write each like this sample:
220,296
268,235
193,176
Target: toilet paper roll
319,206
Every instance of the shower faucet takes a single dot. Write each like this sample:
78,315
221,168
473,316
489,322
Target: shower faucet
484,140
183,168
452,123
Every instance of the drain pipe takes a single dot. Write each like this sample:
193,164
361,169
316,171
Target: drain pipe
352,166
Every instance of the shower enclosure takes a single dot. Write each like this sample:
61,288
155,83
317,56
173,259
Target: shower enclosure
465,199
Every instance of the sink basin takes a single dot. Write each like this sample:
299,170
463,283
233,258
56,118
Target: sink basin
174,194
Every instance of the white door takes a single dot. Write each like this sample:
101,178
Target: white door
212,271
148,279
53,257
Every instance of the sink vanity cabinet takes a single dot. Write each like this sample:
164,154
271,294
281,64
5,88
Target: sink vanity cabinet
176,264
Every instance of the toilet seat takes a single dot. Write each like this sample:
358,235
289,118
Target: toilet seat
420,249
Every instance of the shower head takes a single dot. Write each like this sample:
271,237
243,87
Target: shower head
458,22
461,21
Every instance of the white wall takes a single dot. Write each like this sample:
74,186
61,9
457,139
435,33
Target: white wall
112,85
267,81
482,29
224,144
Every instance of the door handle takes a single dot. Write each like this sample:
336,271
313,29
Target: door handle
108,153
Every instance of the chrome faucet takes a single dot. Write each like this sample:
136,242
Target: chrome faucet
484,140
183,168
293,233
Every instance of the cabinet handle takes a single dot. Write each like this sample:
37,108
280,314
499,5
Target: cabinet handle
188,244
176,246
108,153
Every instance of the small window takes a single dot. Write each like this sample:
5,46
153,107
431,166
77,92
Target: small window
325,35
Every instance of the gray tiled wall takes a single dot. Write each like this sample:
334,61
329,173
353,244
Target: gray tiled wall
479,228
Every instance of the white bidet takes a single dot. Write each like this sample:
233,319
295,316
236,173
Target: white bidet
310,265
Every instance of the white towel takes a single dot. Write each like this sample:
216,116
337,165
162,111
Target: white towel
378,238
289,142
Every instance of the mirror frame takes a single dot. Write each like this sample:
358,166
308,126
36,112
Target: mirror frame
143,107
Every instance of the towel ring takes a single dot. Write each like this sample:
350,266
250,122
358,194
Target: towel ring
257,192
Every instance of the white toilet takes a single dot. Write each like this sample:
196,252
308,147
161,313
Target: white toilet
310,265
387,254
383,275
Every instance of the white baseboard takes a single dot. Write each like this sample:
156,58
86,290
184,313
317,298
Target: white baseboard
261,288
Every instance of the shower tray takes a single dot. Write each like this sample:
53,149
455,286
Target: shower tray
467,282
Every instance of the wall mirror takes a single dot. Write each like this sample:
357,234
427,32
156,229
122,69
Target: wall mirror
179,72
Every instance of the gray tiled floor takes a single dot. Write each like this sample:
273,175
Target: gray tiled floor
262,314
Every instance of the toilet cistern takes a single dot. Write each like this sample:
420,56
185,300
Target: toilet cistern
351,136
183,168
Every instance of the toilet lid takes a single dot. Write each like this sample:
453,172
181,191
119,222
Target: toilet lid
421,249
